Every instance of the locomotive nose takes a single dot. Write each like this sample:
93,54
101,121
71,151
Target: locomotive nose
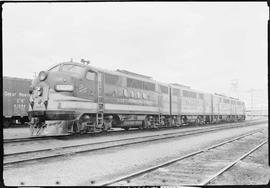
54,81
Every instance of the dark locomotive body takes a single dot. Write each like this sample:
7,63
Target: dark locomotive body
80,98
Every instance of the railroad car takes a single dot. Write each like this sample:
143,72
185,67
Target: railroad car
79,98
192,106
15,100
227,109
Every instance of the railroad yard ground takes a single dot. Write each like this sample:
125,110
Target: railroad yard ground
253,170
16,132
95,167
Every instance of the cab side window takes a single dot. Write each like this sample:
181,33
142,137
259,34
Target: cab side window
90,76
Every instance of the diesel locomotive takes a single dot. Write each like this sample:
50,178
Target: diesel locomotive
73,97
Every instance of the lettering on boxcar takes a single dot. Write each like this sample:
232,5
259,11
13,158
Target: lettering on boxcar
23,94
19,108
9,94
20,100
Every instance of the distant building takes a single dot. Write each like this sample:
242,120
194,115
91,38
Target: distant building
257,112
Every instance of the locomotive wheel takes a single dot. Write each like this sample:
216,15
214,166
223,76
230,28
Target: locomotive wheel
7,123
141,126
75,128
105,128
197,122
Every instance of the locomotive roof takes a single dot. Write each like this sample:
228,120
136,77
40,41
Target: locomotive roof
180,85
144,78
132,73
227,97
119,73
183,87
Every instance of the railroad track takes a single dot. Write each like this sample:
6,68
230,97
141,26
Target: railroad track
30,139
196,168
69,136
36,155
27,139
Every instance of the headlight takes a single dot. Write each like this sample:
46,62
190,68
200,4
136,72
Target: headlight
42,75
39,93
64,87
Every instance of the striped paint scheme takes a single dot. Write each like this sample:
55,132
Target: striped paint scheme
130,108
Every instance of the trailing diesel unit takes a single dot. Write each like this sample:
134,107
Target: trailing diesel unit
75,97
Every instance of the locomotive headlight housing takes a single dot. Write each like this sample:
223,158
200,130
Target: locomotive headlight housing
42,75
38,91
31,89
64,87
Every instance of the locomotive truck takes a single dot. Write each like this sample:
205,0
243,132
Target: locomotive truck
79,98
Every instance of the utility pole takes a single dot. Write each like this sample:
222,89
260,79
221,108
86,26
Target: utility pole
234,88
251,100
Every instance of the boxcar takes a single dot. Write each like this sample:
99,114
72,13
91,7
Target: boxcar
15,100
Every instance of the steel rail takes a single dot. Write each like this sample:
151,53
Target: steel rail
193,130
34,138
144,171
109,141
146,139
26,139
205,182
159,137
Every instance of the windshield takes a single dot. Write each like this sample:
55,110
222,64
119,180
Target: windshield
73,68
56,68
68,68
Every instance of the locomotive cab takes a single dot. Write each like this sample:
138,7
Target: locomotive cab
56,94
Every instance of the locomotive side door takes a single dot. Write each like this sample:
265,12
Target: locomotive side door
94,82
86,87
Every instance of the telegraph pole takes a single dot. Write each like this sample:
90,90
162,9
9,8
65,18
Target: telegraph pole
251,100
234,88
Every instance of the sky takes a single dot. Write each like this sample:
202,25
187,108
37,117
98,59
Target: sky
207,46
